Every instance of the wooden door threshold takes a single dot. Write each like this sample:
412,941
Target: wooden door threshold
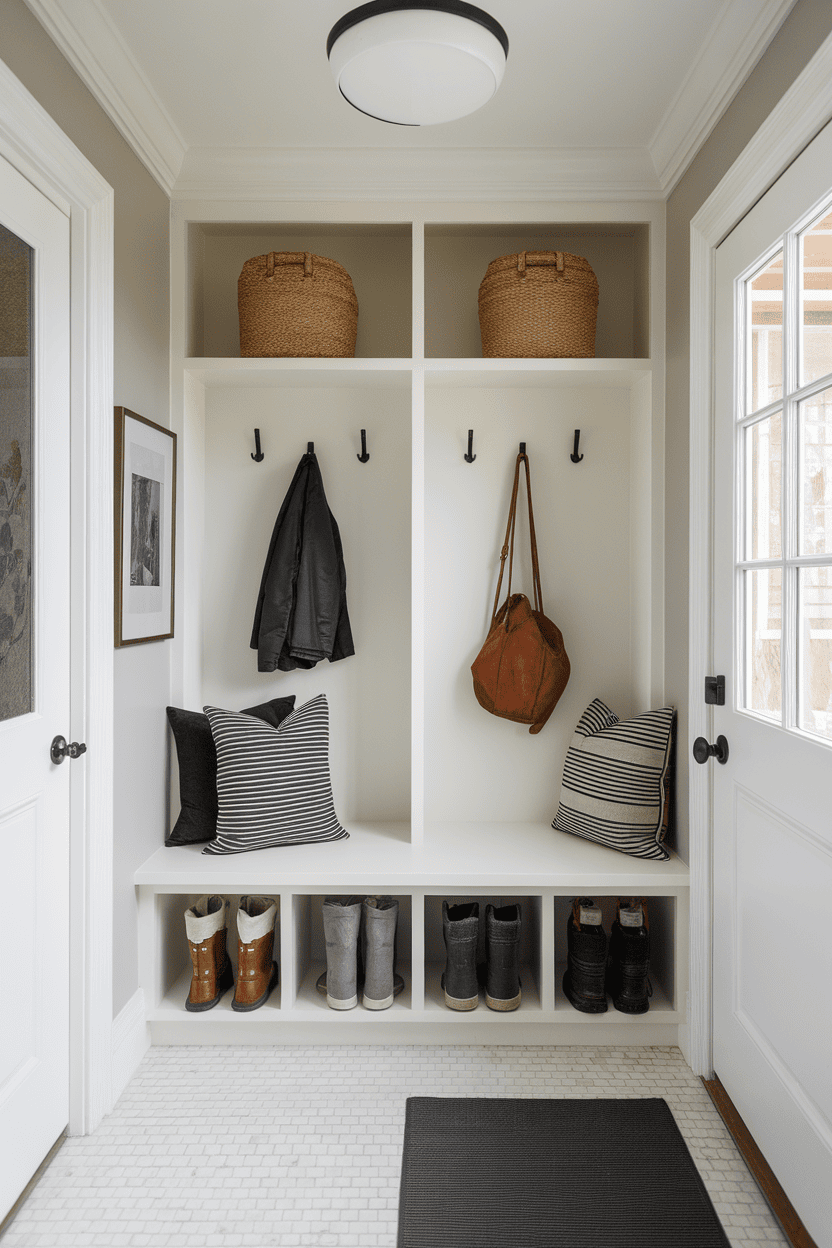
782,1208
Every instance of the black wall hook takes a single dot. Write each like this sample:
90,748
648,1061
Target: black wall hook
363,457
522,448
470,457
575,457
310,448
258,456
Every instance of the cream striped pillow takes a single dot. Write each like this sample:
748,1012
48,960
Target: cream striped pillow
615,787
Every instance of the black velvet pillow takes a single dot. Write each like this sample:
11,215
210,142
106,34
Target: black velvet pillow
198,768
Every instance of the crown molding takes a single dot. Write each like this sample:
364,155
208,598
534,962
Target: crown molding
385,174
736,41
85,34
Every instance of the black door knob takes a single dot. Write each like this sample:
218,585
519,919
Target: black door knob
702,751
61,749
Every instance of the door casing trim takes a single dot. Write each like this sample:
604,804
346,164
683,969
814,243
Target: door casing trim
36,146
799,116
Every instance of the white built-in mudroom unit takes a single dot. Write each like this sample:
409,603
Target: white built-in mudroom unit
441,800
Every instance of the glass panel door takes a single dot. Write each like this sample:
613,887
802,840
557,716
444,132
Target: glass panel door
15,476
784,462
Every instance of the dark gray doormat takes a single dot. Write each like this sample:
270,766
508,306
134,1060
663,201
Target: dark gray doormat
478,1172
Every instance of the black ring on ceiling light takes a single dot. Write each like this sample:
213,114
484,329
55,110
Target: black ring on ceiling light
413,124
458,8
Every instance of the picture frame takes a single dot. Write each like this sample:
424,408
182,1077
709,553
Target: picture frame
145,529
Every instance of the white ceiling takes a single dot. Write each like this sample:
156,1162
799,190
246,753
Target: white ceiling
205,87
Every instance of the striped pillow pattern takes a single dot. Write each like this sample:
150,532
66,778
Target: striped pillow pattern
615,786
273,784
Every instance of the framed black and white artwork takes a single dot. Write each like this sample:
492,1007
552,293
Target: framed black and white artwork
145,529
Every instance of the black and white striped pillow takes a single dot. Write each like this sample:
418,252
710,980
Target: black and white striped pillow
273,784
616,780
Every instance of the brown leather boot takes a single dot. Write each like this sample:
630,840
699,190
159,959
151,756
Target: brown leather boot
205,925
256,969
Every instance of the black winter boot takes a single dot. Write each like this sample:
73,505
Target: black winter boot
629,959
460,927
502,944
586,944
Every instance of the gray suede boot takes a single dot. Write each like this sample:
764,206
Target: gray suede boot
342,921
378,940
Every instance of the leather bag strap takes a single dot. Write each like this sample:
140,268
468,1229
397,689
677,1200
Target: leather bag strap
507,551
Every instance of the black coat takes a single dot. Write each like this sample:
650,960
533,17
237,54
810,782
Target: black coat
301,614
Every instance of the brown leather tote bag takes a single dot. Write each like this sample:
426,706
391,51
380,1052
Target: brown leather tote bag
523,667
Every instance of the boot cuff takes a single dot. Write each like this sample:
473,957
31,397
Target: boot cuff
205,917
377,907
251,926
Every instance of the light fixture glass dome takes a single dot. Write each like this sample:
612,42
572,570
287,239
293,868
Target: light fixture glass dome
417,64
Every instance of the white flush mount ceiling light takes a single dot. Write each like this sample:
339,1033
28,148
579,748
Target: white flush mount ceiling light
417,64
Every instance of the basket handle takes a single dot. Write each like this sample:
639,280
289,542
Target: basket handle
542,258
289,257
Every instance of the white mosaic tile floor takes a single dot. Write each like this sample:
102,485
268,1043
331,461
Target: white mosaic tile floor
219,1147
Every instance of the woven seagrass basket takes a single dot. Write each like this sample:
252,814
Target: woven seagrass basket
293,303
538,304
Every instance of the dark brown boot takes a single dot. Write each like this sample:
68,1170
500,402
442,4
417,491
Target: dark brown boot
256,968
205,926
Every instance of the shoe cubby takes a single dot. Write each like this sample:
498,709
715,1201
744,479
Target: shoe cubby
309,961
530,954
167,990
663,915
377,258
440,799
457,256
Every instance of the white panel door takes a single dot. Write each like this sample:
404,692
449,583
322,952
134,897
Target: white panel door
34,677
772,854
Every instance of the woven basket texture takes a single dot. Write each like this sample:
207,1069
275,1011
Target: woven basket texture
538,304
294,303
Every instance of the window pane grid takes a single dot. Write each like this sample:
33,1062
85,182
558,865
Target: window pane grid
784,487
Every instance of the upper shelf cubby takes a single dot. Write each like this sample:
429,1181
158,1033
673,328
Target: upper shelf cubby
457,256
378,258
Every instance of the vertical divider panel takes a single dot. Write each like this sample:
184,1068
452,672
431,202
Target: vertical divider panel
417,666
150,947
417,919
417,746
418,243
547,952
288,955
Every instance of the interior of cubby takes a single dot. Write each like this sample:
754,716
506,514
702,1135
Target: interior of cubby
530,947
368,693
175,970
378,259
593,544
457,256
310,950
662,919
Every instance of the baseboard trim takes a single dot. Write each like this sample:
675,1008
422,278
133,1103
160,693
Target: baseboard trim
781,1206
131,1040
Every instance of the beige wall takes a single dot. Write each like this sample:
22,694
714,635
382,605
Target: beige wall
141,382
806,27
